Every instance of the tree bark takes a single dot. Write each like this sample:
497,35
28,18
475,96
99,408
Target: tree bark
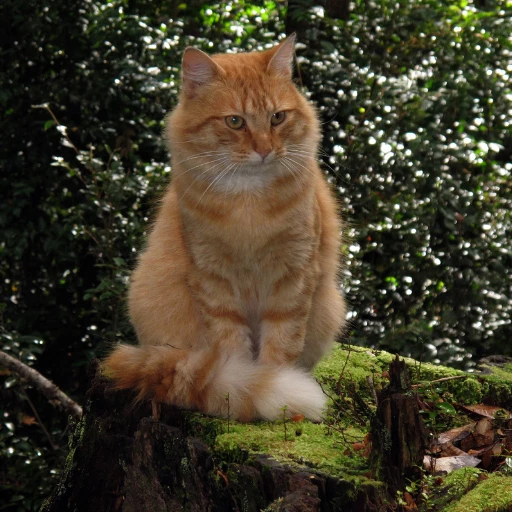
124,461
399,437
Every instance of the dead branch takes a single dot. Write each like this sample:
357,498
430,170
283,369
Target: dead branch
41,383
444,379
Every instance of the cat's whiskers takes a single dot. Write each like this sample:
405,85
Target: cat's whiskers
201,155
184,141
294,162
292,171
222,162
220,176
307,149
233,172
216,161
334,171
321,152
291,160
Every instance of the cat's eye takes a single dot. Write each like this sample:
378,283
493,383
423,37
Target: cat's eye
235,122
278,118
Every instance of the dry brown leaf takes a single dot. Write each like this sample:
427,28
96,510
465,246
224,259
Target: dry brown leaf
481,440
456,434
448,450
507,441
367,444
223,476
411,504
476,453
28,420
296,418
487,411
357,447
487,456
483,426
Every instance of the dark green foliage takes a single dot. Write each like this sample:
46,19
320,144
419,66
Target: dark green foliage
416,103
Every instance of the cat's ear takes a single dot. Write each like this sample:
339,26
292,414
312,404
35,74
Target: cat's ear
197,69
281,63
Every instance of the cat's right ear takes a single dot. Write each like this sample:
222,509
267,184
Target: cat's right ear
197,69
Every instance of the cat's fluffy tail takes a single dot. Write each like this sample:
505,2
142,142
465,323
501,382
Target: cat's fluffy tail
204,380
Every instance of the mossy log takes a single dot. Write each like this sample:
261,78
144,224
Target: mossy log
122,460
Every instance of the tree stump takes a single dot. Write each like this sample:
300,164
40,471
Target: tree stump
122,460
399,437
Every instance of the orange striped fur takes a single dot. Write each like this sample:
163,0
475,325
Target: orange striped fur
236,291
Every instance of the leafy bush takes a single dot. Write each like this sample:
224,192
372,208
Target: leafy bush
416,103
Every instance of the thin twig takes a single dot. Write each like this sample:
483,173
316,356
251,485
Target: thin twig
45,106
226,397
369,379
41,383
38,418
342,374
444,379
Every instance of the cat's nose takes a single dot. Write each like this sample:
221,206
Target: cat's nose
264,153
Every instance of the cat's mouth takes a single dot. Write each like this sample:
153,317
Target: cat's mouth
261,158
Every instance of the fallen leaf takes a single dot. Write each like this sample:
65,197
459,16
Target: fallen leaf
357,446
448,450
507,440
297,418
489,411
482,440
223,476
411,504
367,445
483,426
455,434
489,455
449,464
28,420
476,453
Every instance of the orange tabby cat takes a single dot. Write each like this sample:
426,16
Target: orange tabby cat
236,292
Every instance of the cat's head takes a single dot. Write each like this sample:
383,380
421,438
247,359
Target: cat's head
240,119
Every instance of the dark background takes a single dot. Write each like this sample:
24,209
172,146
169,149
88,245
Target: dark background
416,105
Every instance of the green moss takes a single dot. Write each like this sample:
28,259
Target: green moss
356,361
326,450
317,447
275,506
498,384
466,389
491,495
205,427
313,447
453,487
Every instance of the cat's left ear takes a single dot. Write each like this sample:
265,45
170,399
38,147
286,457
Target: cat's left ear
198,69
281,63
